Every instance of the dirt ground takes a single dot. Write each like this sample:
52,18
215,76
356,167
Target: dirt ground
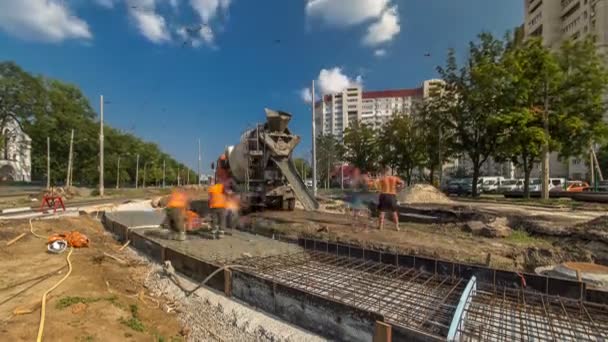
520,251
102,299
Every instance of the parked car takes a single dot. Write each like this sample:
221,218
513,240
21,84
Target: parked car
557,184
577,186
509,185
460,187
535,185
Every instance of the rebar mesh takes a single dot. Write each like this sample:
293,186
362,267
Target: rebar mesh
516,315
404,296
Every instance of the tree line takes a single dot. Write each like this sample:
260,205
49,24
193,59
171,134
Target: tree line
509,99
45,107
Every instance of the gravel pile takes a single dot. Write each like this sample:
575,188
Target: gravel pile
208,316
422,193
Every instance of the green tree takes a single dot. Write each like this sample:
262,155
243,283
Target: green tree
21,96
533,76
303,167
361,147
402,144
475,92
438,135
580,105
329,152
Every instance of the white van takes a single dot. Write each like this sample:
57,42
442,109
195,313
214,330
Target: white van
557,184
489,184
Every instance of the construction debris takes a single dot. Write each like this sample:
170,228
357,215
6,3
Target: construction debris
422,193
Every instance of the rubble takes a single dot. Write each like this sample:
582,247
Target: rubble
495,229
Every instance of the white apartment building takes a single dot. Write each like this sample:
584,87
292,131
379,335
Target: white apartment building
15,155
556,21
335,112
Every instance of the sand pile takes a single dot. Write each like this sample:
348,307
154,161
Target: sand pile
422,193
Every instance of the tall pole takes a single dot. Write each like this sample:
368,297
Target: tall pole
48,162
591,170
163,173
342,176
68,177
101,146
187,176
199,162
179,170
118,173
545,160
136,171
314,143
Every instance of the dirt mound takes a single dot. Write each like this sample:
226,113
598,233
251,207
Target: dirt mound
422,193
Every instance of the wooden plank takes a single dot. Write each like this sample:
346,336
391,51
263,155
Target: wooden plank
228,283
383,332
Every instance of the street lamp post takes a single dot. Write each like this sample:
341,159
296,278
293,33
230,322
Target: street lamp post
101,146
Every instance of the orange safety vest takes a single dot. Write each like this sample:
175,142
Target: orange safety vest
217,198
177,200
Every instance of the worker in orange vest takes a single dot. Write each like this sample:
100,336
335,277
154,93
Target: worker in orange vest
217,204
176,212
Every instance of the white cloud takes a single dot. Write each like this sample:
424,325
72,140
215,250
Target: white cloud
106,3
330,81
385,29
306,95
151,25
333,80
380,53
41,20
197,38
209,9
345,12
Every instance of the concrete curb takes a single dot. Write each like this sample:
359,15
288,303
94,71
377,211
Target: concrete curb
14,210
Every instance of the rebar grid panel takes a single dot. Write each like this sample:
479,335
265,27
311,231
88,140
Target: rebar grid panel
517,315
404,296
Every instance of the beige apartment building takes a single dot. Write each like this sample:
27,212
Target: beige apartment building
335,112
556,21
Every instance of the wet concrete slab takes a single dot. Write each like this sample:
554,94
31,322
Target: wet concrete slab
226,249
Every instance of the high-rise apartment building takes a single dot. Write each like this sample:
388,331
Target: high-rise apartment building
335,112
558,20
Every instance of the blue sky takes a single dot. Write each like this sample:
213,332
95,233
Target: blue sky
240,56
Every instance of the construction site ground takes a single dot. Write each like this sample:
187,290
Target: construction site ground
102,300
527,247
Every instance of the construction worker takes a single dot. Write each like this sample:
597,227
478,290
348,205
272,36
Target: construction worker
387,202
217,204
176,212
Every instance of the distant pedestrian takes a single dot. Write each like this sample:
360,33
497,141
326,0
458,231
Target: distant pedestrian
387,202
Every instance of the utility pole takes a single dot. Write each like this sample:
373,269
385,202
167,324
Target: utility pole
48,162
68,179
199,162
118,173
163,173
545,160
187,176
342,176
314,144
136,171
592,170
101,146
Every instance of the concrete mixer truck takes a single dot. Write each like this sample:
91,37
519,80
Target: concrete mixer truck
262,168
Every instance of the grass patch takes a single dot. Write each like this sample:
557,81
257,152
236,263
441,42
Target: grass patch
521,237
66,302
134,322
